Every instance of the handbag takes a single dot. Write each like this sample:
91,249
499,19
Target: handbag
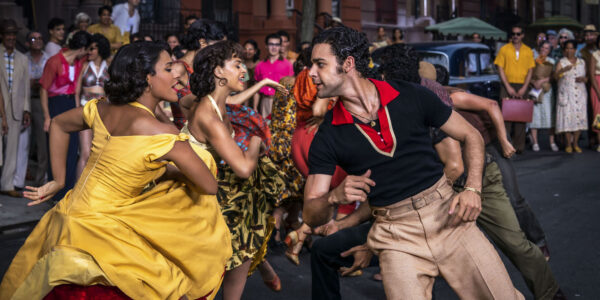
596,124
517,110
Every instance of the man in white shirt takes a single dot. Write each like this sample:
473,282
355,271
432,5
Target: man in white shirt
127,17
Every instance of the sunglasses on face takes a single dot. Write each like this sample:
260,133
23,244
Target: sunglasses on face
516,33
563,37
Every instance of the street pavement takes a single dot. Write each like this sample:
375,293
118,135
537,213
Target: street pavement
563,191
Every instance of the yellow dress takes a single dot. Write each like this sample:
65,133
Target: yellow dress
165,243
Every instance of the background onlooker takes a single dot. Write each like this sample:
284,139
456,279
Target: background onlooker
126,17
82,22
571,108
172,39
107,29
14,69
251,57
543,110
563,36
37,61
515,64
273,67
57,94
285,51
56,29
540,38
590,34
189,20
397,36
90,85
382,39
594,77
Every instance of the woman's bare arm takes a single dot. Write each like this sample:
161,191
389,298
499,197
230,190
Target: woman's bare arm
466,101
241,97
219,136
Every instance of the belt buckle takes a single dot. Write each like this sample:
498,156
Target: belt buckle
419,203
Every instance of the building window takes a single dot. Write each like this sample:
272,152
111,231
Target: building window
385,12
335,8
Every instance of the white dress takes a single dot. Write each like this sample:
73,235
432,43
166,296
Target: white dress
571,106
543,113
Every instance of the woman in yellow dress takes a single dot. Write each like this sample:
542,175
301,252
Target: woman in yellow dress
109,237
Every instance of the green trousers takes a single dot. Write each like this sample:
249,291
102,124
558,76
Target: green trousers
499,222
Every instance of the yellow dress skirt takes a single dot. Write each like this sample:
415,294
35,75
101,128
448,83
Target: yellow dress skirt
164,243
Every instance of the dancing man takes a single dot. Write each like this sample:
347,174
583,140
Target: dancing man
379,134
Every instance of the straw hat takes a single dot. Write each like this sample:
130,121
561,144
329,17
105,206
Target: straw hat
590,27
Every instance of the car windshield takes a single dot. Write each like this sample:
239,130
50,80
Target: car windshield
435,58
475,62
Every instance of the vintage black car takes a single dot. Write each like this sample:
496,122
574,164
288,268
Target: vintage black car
470,65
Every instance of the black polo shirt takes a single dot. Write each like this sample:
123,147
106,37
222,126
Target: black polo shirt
397,150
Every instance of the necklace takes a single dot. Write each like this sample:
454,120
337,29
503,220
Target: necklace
371,121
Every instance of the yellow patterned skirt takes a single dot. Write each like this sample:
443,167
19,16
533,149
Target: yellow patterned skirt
247,205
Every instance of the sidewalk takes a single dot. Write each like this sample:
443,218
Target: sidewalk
15,213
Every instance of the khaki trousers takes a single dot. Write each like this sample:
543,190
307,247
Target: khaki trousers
415,244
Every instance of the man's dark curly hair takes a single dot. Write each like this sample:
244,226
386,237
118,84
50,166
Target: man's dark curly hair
344,42
129,70
103,45
399,62
441,74
80,39
196,32
202,81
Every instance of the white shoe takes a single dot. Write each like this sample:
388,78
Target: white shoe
554,147
535,147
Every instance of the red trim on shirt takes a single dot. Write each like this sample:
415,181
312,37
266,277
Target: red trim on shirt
386,94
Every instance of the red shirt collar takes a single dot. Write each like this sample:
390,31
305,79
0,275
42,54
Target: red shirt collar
386,94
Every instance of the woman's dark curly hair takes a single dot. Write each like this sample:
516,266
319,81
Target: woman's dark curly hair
399,62
202,81
103,45
129,70
344,42
303,60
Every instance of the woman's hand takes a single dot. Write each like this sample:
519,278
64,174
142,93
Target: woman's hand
566,69
276,85
47,124
38,195
581,79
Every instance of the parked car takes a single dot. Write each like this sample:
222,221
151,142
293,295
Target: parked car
470,65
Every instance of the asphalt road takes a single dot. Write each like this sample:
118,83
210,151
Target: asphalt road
563,190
